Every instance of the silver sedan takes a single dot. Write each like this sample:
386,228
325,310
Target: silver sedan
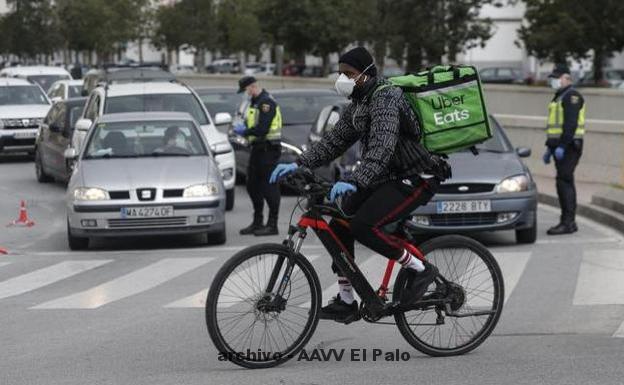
144,174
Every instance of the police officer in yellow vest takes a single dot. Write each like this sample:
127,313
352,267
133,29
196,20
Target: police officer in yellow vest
564,131
263,129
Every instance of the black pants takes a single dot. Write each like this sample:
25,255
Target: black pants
262,160
565,181
376,208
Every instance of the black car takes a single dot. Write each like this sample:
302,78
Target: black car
300,109
220,100
54,137
501,75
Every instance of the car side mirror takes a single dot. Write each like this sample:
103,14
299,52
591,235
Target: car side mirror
83,124
56,99
523,152
222,118
70,153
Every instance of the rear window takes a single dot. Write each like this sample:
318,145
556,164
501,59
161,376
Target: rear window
21,95
75,91
157,102
45,81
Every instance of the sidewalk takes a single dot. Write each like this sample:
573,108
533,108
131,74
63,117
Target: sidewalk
597,201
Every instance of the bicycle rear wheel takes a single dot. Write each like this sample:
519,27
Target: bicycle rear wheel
474,292
248,321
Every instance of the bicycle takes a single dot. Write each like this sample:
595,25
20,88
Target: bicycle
275,287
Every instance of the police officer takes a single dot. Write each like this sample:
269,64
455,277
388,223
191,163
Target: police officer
262,128
564,131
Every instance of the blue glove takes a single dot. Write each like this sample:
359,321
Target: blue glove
282,170
547,155
559,153
239,128
339,189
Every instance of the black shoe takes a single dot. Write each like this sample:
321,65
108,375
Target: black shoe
255,225
269,229
417,283
340,311
563,228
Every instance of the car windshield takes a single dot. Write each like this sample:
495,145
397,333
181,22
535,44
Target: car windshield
19,95
75,91
304,108
45,81
497,143
138,139
74,115
220,101
156,102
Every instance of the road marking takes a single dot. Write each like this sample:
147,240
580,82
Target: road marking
605,230
512,265
199,299
46,276
127,285
619,333
571,241
601,278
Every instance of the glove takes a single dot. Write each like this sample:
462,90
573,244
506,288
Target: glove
281,170
547,155
339,189
239,128
559,153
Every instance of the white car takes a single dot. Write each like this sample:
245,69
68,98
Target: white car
23,106
65,89
162,97
44,76
260,69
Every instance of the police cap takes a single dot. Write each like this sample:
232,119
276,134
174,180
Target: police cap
244,82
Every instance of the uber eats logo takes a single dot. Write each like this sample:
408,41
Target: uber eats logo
441,102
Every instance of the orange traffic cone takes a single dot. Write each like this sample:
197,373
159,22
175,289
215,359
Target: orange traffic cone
23,217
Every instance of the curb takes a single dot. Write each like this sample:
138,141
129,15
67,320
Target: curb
599,214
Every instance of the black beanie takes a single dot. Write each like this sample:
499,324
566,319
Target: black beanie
359,58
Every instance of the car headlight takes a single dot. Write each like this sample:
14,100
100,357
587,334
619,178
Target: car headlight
513,184
90,194
201,190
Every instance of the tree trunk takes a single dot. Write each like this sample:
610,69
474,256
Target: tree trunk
279,59
140,42
326,68
414,58
598,62
379,46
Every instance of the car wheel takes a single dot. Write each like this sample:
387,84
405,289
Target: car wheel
42,177
526,236
76,243
217,238
229,199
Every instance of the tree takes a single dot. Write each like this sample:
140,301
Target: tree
200,26
30,28
170,29
558,29
239,27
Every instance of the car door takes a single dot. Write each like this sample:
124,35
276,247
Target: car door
46,137
58,142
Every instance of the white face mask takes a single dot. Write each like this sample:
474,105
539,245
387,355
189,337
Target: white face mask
180,141
555,83
344,86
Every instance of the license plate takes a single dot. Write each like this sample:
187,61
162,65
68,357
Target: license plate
25,134
482,206
147,212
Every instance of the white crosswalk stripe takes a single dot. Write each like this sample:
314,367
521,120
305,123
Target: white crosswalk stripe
199,299
130,284
46,276
601,278
512,265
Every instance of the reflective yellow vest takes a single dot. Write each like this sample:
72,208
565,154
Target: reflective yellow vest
275,130
554,128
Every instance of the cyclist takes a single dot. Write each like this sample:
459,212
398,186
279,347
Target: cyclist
396,174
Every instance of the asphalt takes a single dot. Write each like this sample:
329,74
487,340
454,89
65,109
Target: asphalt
562,322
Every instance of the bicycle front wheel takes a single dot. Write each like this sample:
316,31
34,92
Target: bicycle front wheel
263,306
464,307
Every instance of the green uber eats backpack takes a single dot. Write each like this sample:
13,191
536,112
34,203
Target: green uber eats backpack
448,102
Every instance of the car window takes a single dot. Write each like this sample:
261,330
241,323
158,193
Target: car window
21,95
75,91
144,139
505,73
74,115
333,118
321,120
45,81
220,102
303,108
498,142
51,115
487,73
53,90
92,108
157,102
60,117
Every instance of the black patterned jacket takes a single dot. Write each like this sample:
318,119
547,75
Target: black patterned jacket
389,134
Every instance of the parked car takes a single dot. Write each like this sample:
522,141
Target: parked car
135,74
259,68
54,138
182,69
612,78
491,191
162,96
220,101
145,174
223,66
65,89
502,75
299,108
44,76
23,106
